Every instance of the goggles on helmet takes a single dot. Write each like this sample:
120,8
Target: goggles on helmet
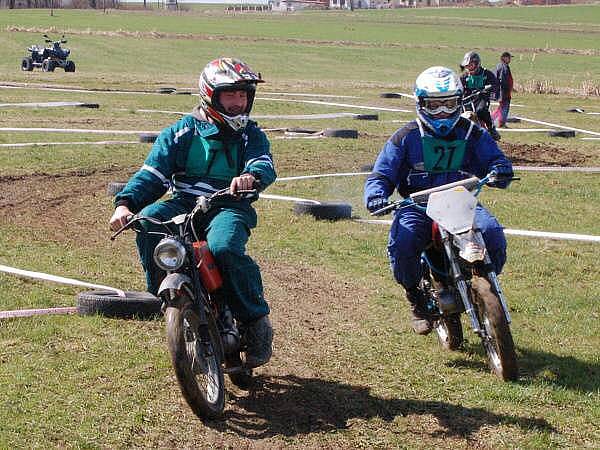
435,106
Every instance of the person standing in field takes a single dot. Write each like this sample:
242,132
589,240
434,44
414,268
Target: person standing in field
217,146
505,78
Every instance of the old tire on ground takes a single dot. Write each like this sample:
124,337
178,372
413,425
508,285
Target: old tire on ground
183,92
148,137
366,117
69,66
562,133
513,120
27,64
499,345
142,305
196,357
165,90
390,95
366,168
114,187
576,110
340,133
324,210
449,331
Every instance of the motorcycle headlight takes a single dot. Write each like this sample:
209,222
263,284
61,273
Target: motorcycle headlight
169,254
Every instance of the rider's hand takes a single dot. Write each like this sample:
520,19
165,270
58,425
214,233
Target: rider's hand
119,217
501,176
244,182
377,203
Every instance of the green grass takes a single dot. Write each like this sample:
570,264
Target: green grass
347,372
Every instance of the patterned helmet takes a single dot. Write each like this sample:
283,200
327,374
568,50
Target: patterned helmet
438,92
227,74
471,57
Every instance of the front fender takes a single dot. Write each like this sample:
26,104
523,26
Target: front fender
174,281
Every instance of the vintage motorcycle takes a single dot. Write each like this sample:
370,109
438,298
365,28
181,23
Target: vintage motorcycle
204,340
458,275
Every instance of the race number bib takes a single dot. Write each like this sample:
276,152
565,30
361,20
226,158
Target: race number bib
441,156
475,81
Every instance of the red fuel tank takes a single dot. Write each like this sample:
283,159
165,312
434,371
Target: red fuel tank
209,272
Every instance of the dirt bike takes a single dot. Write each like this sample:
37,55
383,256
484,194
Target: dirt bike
458,275
48,58
469,108
205,342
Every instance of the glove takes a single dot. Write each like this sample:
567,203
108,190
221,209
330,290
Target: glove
377,203
501,177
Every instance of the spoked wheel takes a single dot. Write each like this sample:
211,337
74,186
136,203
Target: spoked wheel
196,357
449,331
498,342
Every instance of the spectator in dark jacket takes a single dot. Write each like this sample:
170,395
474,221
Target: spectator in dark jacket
475,78
504,76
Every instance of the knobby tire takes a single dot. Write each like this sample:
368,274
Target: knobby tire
204,393
499,345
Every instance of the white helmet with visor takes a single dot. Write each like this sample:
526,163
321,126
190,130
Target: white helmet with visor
438,93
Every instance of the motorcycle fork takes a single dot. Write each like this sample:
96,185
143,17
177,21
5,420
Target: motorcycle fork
459,281
493,278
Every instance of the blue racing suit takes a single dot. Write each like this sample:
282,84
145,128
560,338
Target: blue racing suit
403,165
194,157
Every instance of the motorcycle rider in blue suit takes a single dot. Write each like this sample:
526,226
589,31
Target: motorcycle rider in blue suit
436,148
214,147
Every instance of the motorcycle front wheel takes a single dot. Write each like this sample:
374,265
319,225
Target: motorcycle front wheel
197,360
498,341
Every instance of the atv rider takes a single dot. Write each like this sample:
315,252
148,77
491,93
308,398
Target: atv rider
214,147
436,148
475,77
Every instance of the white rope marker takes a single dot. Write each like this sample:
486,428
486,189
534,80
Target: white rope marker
57,279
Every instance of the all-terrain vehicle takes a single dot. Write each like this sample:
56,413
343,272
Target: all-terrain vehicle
48,58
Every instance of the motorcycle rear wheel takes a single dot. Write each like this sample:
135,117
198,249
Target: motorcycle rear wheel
449,331
498,343
197,363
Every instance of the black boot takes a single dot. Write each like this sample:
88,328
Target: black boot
421,320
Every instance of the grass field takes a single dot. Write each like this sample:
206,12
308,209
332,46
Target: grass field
347,371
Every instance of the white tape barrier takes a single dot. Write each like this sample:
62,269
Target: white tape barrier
37,312
310,95
591,139
412,97
516,168
526,130
287,199
541,234
304,116
57,279
539,122
47,105
95,91
556,169
345,105
306,177
77,130
47,144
